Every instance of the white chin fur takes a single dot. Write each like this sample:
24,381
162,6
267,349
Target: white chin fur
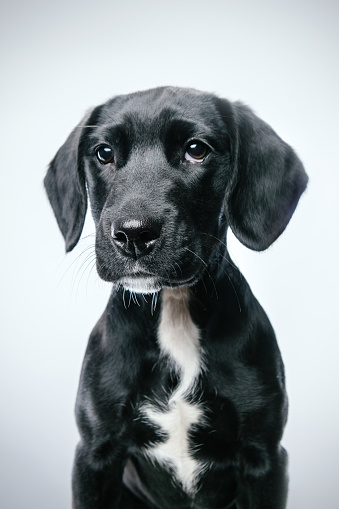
143,285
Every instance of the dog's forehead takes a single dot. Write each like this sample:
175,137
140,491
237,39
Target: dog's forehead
159,107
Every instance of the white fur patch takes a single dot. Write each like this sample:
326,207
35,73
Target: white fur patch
178,338
143,285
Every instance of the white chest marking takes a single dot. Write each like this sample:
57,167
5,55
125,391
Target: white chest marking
178,338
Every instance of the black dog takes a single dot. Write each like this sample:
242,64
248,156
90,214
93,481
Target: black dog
182,403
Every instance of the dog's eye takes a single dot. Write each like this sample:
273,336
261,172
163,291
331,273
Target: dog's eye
105,154
196,151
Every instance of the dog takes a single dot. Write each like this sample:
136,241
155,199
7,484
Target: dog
182,400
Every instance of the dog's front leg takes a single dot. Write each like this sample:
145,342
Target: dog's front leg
266,491
95,485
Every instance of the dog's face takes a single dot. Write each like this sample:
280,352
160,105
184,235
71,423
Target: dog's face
166,170
157,168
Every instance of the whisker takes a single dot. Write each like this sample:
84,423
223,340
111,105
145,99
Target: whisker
123,297
204,263
223,244
90,256
205,287
93,266
87,262
231,282
224,271
75,261
177,264
135,299
154,302
90,263
93,263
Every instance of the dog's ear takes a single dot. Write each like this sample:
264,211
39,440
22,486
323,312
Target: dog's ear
266,183
66,188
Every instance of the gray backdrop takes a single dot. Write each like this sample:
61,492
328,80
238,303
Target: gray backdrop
59,58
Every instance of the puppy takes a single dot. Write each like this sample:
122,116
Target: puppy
182,399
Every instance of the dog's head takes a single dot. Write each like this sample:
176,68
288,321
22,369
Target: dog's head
166,170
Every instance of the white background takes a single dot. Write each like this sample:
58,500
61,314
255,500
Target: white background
58,59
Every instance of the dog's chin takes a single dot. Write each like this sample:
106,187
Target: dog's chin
144,285
150,285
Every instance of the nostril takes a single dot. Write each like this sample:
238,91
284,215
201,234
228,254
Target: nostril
120,237
148,236
118,234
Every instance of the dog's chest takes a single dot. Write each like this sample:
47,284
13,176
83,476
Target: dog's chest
179,341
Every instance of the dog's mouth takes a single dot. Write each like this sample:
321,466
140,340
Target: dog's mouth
149,274
146,284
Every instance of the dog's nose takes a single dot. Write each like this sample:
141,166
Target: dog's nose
135,237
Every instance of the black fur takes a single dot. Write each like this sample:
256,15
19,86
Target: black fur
162,219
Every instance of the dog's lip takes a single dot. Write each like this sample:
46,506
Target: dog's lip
182,282
143,282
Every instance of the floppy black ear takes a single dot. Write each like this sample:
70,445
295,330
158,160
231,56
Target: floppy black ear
267,181
66,189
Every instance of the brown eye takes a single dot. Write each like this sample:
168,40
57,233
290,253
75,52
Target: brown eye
105,154
196,151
